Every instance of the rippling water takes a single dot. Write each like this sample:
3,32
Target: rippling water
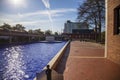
22,62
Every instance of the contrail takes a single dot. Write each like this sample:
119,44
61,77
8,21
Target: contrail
47,5
49,15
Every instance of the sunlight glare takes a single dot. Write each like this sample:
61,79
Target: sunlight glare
17,3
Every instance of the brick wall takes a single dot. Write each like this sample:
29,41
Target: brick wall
113,41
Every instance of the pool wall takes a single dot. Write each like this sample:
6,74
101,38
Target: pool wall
55,60
53,63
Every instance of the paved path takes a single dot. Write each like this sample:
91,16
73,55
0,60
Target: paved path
86,61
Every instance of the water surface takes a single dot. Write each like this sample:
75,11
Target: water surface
22,62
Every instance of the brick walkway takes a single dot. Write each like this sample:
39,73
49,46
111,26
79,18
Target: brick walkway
86,61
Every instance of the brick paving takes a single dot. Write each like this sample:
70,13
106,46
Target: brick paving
85,61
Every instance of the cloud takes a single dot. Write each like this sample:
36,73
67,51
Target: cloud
40,13
33,16
37,19
5,20
31,22
63,10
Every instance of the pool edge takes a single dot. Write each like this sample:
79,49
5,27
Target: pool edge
55,60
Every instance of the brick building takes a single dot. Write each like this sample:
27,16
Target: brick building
81,34
113,30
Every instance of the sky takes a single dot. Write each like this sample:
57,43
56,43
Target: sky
39,14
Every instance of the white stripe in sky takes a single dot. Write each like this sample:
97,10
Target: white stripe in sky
46,3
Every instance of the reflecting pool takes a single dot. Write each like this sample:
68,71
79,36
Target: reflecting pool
22,62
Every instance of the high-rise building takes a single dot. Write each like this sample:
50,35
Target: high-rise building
69,26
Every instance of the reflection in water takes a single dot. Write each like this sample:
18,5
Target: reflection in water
24,61
14,68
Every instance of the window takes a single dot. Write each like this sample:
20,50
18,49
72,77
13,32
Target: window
117,20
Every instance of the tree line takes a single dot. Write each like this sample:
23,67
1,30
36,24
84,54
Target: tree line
21,28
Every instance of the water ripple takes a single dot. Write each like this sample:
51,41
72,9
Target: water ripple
24,61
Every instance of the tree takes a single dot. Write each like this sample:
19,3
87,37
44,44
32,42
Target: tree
93,12
48,32
56,34
19,27
30,31
6,26
38,31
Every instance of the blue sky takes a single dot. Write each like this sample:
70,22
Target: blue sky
35,14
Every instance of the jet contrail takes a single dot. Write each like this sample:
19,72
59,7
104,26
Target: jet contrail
47,5
49,15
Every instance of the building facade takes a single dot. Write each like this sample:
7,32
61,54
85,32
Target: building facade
113,30
77,30
69,26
